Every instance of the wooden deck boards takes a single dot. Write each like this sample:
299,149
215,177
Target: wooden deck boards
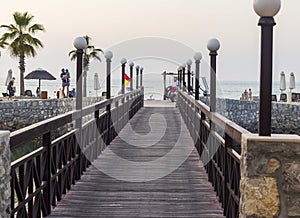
185,192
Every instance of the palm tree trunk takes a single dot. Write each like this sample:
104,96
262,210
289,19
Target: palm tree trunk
85,70
22,70
84,83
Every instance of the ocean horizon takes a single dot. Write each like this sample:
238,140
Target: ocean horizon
153,87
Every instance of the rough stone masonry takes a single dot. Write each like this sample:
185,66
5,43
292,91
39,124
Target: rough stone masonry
4,174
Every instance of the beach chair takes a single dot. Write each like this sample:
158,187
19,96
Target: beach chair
294,97
28,93
283,97
274,98
298,97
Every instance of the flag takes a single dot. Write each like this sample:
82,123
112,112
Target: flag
127,79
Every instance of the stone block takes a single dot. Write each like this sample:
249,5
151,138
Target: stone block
261,197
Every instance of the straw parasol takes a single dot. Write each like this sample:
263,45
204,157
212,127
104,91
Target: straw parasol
96,83
292,81
282,82
8,77
40,74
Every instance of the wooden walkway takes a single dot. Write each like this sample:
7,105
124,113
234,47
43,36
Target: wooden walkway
155,173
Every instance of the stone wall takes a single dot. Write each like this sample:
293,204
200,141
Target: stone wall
285,117
4,174
270,176
18,114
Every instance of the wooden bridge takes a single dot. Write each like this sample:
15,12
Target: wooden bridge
161,161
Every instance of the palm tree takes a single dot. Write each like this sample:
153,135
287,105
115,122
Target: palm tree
20,41
90,52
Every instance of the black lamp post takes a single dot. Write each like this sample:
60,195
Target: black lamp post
141,76
79,43
213,45
189,63
266,10
123,65
137,76
197,57
131,64
183,76
108,55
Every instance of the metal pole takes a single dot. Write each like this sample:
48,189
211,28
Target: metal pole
183,78
197,86
79,53
165,94
141,75
213,55
108,78
123,79
265,99
137,77
131,78
189,78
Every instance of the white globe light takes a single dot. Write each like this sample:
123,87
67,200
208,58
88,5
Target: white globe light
80,42
123,61
183,65
137,66
141,68
189,62
213,44
198,56
266,8
108,54
131,64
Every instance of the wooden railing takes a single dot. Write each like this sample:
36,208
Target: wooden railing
215,137
40,178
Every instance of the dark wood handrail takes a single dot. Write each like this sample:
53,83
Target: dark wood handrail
232,129
30,132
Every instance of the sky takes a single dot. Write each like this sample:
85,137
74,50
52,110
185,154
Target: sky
170,30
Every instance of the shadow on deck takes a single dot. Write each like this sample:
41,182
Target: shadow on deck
150,170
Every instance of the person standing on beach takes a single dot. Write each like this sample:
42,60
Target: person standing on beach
11,89
68,81
65,82
250,98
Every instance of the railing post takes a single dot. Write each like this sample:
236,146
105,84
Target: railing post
228,145
47,174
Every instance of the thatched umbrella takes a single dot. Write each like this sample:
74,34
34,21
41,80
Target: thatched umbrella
282,82
40,74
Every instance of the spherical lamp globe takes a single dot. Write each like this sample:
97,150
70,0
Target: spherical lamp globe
266,8
108,54
131,64
123,61
80,43
189,62
198,56
213,44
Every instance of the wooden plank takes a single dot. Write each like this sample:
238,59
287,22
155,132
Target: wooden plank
185,192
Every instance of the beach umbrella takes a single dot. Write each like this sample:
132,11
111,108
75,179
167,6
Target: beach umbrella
96,83
282,82
8,77
40,74
292,81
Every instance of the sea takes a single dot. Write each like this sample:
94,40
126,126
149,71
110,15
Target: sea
153,87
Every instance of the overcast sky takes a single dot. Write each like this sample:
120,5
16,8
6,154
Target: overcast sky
189,24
